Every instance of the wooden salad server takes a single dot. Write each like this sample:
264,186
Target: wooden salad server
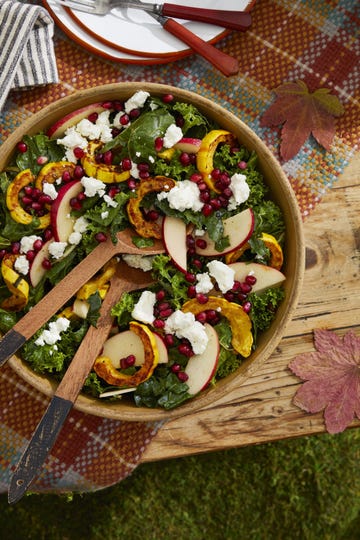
125,279
67,287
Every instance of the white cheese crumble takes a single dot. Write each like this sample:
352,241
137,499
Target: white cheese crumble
22,265
92,186
204,283
109,201
52,335
184,325
223,274
27,243
80,225
173,134
139,261
71,140
144,309
183,196
240,190
136,101
56,249
49,189
75,238
134,171
105,214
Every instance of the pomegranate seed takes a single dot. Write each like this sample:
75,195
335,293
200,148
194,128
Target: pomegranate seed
158,323
144,175
124,119
201,298
202,186
30,255
108,157
36,194
201,243
126,164
81,196
201,317
107,105
229,296
159,143
190,277
250,279
75,204
236,287
184,159
45,199
38,244
242,297
153,215
225,179
22,147
113,191
211,315
190,242
36,206
207,210
165,313
101,237
168,98
115,132
160,295
205,196
185,349
118,106
93,117
78,152
175,368
26,200
242,165
2,253
216,174
197,263
46,264
66,176
48,234
99,157
182,376
247,307
245,287
227,192
134,113
41,160
196,177
191,292
131,183
28,190
169,340
215,203
143,167
128,361
78,172
180,121
234,149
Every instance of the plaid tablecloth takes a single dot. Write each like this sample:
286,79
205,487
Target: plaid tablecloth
312,40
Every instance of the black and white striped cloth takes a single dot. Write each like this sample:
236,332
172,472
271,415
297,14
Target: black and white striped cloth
27,56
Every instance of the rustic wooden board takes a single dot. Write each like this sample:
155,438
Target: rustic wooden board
261,410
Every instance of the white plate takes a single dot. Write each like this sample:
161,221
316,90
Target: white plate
136,32
83,38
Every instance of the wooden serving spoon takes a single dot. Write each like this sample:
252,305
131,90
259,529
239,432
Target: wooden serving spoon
67,287
47,431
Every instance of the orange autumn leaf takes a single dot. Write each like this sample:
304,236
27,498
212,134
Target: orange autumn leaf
332,379
302,114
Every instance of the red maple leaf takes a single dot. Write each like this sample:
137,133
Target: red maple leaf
302,113
332,376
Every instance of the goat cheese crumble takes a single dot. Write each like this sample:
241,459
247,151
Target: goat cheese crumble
144,308
183,196
53,333
184,325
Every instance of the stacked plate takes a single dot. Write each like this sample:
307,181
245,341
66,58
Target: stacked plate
133,36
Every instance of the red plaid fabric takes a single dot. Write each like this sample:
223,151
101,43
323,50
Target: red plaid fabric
315,41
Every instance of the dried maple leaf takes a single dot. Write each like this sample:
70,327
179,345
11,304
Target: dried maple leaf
303,113
332,376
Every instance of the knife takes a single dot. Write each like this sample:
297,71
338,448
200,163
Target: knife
49,427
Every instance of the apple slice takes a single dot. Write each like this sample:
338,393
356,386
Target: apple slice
266,276
60,218
126,343
188,145
58,129
174,238
37,271
238,228
201,367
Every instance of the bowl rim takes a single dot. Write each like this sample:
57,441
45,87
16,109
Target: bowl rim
270,339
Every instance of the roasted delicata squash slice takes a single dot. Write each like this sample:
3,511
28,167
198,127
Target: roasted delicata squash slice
276,253
145,228
52,171
109,174
97,283
205,155
16,284
104,368
24,178
240,322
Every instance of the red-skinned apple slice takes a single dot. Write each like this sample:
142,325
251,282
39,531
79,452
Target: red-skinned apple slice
61,221
58,129
128,343
266,276
174,238
188,145
37,271
201,367
238,228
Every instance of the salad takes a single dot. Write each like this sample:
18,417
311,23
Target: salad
160,167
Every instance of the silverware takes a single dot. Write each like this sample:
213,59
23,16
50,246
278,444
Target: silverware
43,439
235,20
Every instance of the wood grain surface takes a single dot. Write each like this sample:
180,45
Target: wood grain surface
261,410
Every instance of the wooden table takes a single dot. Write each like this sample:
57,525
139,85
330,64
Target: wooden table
261,410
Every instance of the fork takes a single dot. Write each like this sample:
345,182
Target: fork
225,63
235,20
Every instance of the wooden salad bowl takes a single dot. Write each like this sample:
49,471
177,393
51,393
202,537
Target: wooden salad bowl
281,193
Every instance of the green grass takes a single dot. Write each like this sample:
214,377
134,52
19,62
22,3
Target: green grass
306,488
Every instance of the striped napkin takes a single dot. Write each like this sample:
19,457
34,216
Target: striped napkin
27,56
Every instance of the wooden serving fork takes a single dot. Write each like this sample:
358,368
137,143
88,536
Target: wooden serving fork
125,279
67,287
